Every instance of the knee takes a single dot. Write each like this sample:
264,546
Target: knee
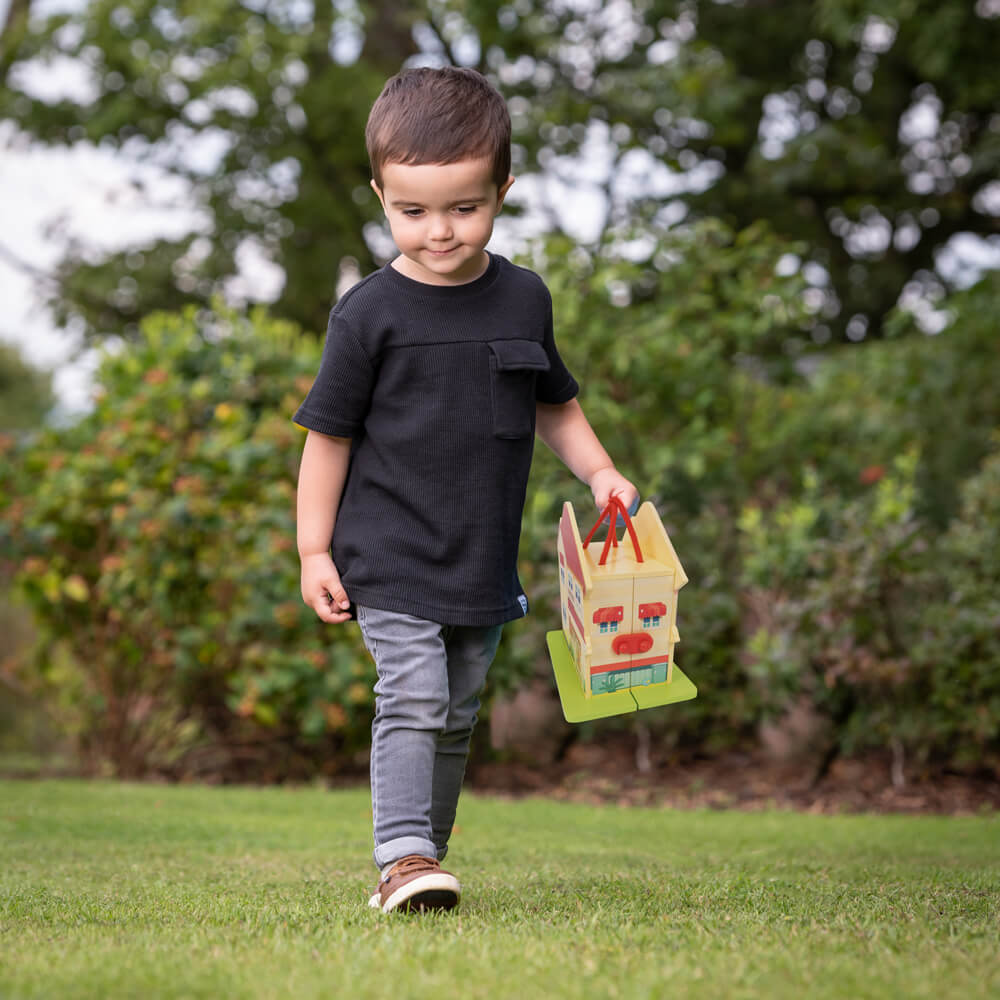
412,710
461,720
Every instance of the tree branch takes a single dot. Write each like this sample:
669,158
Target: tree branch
25,267
14,26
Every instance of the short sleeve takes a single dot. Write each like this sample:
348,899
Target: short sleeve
338,401
556,385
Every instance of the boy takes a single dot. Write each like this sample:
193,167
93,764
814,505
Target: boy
437,372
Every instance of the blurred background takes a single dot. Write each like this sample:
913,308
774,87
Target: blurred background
772,234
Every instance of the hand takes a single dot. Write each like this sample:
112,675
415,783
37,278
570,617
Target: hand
322,589
609,482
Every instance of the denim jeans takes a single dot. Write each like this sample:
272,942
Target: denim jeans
430,677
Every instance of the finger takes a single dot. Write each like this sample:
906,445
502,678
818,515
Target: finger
603,498
627,494
629,498
337,596
329,613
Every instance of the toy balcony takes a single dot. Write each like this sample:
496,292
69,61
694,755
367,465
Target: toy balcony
615,652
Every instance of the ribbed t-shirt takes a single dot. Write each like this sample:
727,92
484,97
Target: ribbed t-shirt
436,386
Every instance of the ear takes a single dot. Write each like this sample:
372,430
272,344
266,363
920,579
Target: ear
502,191
378,191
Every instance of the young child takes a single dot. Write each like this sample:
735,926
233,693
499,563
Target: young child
437,372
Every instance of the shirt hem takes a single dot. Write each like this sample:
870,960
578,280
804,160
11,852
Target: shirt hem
329,427
453,616
569,391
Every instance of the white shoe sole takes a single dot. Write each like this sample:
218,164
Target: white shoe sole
441,892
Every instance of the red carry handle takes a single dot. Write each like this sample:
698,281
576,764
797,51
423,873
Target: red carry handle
611,512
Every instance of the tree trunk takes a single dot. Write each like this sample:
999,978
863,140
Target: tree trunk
14,26
388,36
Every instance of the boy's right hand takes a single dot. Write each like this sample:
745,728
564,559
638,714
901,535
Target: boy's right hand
322,589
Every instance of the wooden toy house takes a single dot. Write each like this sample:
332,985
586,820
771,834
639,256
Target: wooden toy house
619,609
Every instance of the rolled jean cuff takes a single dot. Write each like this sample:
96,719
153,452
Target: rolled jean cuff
393,850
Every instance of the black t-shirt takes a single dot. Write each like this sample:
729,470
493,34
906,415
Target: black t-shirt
436,386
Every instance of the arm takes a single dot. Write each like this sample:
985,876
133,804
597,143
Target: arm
565,429
321,482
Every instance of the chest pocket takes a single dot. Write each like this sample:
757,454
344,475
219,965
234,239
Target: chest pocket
514,367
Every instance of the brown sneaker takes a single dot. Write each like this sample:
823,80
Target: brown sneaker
416,883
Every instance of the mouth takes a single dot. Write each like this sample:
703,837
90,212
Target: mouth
442,253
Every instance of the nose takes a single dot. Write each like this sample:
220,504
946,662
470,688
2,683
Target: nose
440,227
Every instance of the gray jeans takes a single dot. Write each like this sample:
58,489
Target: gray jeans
430,677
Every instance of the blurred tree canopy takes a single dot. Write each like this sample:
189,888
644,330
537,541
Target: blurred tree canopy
867,131
25,391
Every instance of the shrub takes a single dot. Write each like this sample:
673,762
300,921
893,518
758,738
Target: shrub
888,628
960,641
155,541
683,377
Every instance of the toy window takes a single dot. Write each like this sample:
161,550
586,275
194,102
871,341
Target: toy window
652,621
608,627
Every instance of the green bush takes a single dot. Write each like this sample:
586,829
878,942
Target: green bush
887,628
25,398
960,641
812,567
681,360
154,540
25,391
936,394
156,546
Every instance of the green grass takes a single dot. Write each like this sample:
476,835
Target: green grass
110,890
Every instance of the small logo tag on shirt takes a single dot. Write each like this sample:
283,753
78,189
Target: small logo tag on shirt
523,601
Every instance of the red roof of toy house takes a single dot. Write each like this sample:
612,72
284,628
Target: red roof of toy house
602,615
652,610
570,549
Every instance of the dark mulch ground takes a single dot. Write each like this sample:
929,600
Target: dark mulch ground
609,772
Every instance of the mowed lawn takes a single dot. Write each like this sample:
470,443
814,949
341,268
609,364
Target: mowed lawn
113,890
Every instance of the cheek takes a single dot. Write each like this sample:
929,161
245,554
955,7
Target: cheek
402,229
476,224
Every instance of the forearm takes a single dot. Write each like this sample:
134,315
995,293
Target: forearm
565,429
322,475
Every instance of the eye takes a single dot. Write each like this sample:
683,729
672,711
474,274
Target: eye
413,213
465,209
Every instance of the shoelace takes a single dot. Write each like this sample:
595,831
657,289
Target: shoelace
412,863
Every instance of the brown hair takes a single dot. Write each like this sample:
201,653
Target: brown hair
426,115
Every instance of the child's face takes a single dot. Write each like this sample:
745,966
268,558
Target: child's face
441,216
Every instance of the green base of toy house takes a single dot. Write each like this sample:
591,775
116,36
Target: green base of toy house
577,708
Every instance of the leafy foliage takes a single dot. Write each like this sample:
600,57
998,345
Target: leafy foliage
961,641
155,540
25,399
672,357
866,132
866,588
25,391
887,630
807,502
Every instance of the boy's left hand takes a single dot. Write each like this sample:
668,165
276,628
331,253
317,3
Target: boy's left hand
608,483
